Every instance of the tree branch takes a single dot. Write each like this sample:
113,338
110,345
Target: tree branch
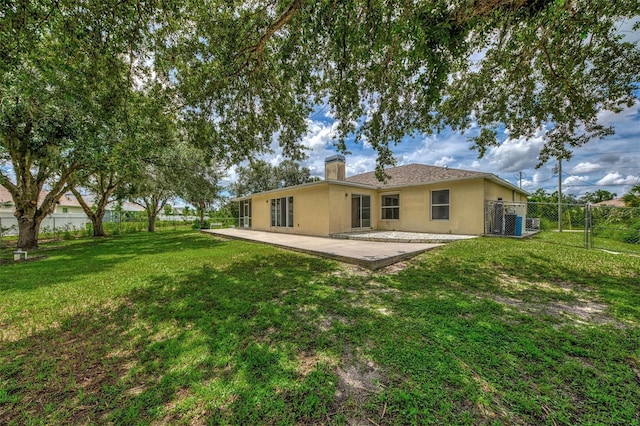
254,53
480,8
83,203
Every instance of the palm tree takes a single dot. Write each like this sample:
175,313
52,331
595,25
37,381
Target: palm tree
632,198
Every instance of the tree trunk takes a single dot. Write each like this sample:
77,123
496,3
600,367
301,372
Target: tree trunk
98,226
97,216
201,216
28,230
152,221
97,219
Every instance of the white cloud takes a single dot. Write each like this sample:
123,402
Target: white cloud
360,164
444,161
616,178
585,167
319,135
529,185
516,154
575,180
542,175
435,148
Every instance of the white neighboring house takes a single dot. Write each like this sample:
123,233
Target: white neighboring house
128,208
68,213
68,204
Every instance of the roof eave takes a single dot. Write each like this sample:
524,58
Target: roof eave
490,176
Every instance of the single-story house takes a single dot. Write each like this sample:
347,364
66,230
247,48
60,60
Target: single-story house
415,198
67,204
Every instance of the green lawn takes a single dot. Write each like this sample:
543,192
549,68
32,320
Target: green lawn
181,328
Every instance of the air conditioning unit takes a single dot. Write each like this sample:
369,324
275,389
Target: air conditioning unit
533,223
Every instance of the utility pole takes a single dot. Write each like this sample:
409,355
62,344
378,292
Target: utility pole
559,194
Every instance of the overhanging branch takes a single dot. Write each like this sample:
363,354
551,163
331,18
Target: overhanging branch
254,53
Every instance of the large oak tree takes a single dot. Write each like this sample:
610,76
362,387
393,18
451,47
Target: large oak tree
388,68
64,68
251,71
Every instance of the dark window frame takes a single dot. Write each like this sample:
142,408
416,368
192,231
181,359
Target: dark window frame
390,211
440,209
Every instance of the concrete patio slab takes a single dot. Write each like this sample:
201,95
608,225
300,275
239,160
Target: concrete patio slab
403,237
369,254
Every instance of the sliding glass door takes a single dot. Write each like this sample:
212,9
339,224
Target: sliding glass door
360,211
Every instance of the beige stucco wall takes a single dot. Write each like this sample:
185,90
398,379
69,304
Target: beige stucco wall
466,209
494,191
324,208
340,199
310,210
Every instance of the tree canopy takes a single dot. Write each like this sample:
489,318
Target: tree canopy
597,196
242,74
392,68
260,176
632,198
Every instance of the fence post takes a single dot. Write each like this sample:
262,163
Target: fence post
587,224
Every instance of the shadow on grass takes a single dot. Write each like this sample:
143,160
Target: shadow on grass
468,348
61,262
257,339
225,345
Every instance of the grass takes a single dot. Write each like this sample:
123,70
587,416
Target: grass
599,239
181,328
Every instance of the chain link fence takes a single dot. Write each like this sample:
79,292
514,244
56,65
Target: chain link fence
581,225
615,228
66,226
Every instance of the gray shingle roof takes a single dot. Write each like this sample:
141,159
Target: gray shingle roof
414,174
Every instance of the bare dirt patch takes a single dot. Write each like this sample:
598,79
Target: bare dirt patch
514,284
579,306
325,322
395,268
359,380
580,312
349,270
307,362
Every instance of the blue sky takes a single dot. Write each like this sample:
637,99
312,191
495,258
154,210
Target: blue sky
612,163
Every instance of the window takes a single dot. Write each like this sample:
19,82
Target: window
282,212
440,205
390,206
65,210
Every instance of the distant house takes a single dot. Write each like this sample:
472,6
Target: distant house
129,209
415,198
6,202
66,204
616,202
